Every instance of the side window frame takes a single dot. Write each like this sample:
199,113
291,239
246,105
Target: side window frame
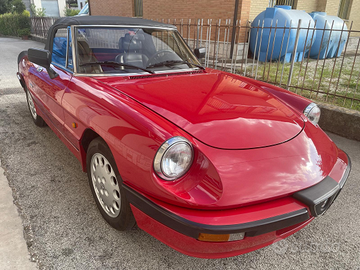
74,48
68,47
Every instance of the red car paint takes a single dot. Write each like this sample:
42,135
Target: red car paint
212,105
267,151
207,250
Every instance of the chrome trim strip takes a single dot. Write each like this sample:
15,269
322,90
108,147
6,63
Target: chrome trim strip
163,149
73,48
308,109
67,47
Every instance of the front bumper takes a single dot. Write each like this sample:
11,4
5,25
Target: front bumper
322,195
261,224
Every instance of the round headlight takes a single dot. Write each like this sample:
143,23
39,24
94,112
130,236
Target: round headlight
174,158
312,112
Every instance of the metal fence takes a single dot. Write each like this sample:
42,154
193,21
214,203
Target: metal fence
41,25
333,80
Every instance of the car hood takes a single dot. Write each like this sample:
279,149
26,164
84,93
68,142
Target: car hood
219,109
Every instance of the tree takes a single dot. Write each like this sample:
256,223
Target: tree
18,6
5,6
37,12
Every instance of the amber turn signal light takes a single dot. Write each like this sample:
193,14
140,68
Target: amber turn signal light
206,237
213,237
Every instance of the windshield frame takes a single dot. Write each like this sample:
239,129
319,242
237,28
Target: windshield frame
84,11
75,50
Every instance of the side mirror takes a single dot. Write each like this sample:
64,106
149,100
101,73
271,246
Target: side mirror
200,52
42,58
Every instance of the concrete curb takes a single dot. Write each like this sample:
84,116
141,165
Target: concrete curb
14,253
341,121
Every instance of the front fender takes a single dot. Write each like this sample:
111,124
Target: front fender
298,103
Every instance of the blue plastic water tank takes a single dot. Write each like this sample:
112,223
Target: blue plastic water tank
324,36
284,15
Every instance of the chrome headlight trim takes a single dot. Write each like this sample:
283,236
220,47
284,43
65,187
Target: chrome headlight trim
308,113
161,152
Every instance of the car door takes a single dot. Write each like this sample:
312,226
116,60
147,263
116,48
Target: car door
49,92
75,101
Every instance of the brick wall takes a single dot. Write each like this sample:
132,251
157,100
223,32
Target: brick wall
244,8
307,5
332,7
257,7
200,9
354,15
321,5
165,9
112,7
212,9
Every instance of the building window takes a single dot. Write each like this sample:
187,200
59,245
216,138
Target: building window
138,8
291,3
344,9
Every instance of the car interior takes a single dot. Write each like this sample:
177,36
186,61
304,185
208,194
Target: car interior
136,48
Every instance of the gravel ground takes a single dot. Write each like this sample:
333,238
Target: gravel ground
64,229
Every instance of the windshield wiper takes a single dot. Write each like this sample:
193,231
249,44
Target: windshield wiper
174,62
112,63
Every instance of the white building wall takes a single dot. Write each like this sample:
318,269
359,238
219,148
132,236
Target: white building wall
62,5
37,3
79,3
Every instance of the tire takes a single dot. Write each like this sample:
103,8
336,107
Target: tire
35,117
106,186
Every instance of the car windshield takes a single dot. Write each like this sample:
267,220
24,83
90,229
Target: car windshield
84,10
131,50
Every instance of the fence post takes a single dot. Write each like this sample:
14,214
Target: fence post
234,29
294,55
197,34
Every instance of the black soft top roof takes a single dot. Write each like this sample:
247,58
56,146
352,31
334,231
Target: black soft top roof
107,20
100,20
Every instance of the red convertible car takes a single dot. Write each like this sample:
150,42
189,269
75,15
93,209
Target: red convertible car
211,163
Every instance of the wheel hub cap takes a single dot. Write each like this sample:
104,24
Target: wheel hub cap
31,105
105,184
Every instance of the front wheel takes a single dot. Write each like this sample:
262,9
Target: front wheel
105,183
35,117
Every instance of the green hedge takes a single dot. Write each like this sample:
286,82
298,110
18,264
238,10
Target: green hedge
71,12
14,24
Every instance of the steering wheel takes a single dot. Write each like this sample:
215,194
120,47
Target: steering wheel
157,57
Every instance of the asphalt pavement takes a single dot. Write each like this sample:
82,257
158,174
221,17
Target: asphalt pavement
63,229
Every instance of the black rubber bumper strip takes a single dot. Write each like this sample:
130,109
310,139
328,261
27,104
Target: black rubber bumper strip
321,196
193,229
